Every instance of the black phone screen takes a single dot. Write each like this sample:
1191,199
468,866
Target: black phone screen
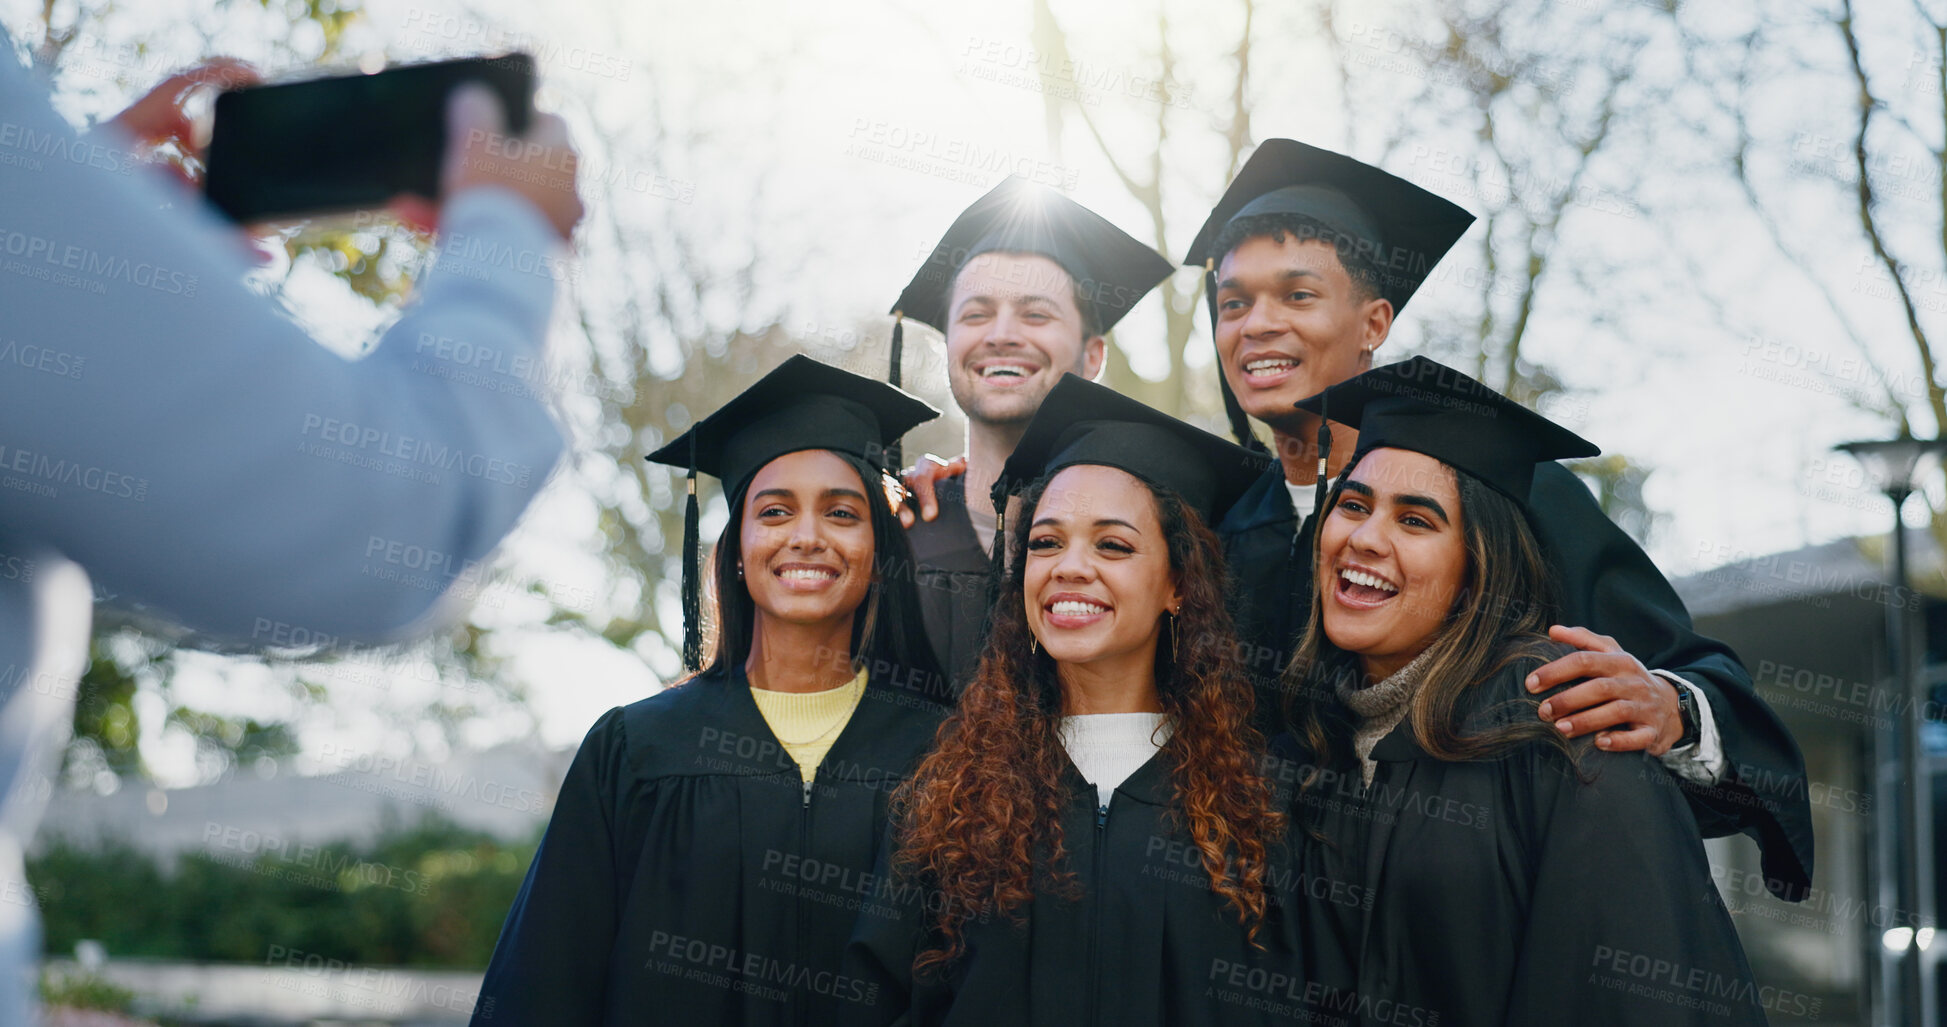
347,143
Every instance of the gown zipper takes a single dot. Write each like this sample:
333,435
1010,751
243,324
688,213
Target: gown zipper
799,1002
1096,903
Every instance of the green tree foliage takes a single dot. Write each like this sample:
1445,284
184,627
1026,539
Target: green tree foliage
432,894
82,991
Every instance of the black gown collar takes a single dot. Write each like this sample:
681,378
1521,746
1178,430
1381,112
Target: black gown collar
1150,784
723,704
1399,745
1267,502
948,542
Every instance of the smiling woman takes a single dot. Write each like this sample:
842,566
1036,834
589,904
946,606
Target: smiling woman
1092,837
712,842
1393,552
803,556
1429,784
1024,284
1097,581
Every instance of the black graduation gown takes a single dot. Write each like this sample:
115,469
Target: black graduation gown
1607,583
1508,892
689,876
1148,942
953,573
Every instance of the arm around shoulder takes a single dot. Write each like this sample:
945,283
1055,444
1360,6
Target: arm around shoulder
1612,587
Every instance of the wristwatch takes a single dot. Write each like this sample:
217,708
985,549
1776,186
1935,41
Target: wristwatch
1693,725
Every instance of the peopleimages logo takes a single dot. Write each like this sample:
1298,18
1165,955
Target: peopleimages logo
409,450
726,967
349,983
39,257
40,474
418,781
60,148
303,864
42,359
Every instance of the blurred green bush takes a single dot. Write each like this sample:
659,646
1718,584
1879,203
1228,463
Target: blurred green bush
431,894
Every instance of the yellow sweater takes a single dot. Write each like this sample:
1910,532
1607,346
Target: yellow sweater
809,722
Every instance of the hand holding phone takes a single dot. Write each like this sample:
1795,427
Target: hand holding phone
160,121
352,142
540,165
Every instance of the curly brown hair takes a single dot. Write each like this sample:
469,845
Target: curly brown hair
980,821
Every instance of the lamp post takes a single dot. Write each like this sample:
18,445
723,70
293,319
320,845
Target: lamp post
1892,465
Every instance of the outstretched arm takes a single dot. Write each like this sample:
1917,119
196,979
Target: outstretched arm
202,456
1610,585
1631,706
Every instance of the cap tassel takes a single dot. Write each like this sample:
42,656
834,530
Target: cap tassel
997,560
1324,454
1318,509
895,452
692,594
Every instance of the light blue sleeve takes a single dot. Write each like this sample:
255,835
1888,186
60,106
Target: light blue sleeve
200,455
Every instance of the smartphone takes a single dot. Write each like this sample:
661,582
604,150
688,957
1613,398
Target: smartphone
348,143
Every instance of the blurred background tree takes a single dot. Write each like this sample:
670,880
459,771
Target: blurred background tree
1830,118
1532,114
648,342
768,195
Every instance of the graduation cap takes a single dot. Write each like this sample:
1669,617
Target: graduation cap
1111,269
1084,423
1400,229
1428,407
802,404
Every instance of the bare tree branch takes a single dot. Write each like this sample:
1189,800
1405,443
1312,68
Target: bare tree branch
1868,221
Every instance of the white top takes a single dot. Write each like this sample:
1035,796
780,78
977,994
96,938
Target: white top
1108,747
1303,497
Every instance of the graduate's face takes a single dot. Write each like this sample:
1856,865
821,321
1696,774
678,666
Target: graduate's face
806,539
1391,558
1098,571
1013,329
1291,322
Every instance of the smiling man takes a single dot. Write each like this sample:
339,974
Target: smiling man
1310,255
1026,285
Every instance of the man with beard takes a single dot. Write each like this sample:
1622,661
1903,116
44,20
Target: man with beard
1025,285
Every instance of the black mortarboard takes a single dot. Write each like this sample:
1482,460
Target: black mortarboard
1430,408
1400,228
1111,269
1084,423
802,404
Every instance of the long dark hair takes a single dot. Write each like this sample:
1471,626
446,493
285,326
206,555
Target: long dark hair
1499,617
888,637
980,821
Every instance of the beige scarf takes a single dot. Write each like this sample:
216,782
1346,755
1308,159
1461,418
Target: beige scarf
1380,707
